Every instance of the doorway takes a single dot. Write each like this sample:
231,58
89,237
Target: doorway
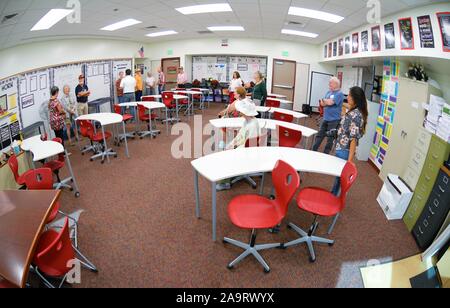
283,78
170,68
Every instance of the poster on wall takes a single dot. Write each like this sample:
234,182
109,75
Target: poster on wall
365,41
389,36
355,43
9,115
425,31
406,34
341,47
330,50
347,45
376,38
444,24
334,49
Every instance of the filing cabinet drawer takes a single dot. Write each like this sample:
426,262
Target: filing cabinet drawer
423,140
411,178
417,160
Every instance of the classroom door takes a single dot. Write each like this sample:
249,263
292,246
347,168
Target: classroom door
170,68
283,78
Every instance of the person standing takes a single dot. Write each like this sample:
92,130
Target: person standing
259,95
82,93
150,84
70,106
139,85
119,90
352,129
128,84
235,83
181,78
332,104
161,81
57,114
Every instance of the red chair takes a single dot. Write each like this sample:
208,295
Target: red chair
288,138
273,103
279,116
321,202
14,165
126,118
84,131
253,212
98,139
55,253
56,165
144,117
171,106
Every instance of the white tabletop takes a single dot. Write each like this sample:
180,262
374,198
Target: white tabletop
103,118
175,97
263,123
152,105
295,114
129,104
42,149
189,92
228,164
282,101
277,95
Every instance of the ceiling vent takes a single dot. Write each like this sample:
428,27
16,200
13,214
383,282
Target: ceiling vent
150,28
9,19
205,32
295,23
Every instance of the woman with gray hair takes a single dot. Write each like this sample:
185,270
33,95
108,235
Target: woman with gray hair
70,106
259,95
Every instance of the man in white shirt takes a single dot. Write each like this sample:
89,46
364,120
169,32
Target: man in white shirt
128,84
150,84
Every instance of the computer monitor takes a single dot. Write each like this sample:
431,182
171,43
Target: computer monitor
3,103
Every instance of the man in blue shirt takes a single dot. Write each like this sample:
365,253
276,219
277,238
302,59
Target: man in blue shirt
332,104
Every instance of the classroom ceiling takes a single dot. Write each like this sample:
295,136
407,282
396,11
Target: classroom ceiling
260,18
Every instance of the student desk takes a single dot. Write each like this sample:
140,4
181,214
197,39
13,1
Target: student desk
105,119
191,94
276,96
229,164
23,216
237,123
98,103
284,104
43,150
297,115
175,97
149,106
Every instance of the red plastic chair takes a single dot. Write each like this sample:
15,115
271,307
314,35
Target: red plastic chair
84,131
272,103
98,138
321,202
58,164
279,116
126,117
196,97
253,212
288,138
14,165
148,99
169,102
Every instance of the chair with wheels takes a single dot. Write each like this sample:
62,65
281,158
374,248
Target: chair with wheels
84,131
171,107
254,212
322,203
127,118
98,139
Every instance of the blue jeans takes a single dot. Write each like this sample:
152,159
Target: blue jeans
343,154
127,98
161,88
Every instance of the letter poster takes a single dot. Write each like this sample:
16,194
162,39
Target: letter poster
389,36
444,24
406,34
426,31
376,38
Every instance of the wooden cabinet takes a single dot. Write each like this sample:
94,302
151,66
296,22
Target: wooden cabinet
409,118
437,154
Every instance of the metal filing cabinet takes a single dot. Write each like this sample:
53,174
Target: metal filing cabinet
435,211
437,154
417,159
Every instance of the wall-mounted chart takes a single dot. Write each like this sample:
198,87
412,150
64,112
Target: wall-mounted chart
9,112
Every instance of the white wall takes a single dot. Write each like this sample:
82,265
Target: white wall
36,55
431,10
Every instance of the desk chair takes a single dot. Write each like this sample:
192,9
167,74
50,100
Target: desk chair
145,118
288,138
184,103
273,103
98,141
260,141
14,165
198,98
54,253
127,118
42,179
253,212
171,107
283,117
320,202
84,131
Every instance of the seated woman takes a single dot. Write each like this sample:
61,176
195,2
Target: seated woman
230,112
250,130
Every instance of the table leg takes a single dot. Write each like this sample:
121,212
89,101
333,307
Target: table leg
167,122
106,145
197,195
75,184
262,184
126,140
178,110
214,211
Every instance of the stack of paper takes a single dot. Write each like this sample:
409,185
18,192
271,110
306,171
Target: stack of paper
434,113
443,128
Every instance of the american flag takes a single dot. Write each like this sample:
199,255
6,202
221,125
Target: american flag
141,52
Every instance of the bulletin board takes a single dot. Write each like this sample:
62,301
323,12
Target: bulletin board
120,66
386,113
247,67
98,79
214,67
67,75
9,112
34,89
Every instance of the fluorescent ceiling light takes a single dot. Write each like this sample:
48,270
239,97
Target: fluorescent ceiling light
121,24
226,28
163,33
299,33
298,11
206,8
51,18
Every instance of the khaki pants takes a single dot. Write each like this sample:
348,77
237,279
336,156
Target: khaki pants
83,109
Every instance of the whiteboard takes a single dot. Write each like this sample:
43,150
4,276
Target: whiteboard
247,67
34,98
98,79
215,67
120,66
351,77
67,75
319,87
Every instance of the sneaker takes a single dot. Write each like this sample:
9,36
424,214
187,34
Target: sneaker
223,186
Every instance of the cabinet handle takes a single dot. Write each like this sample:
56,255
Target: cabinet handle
419,197
431,210
427,178
441,189
435,156
420,230
436,202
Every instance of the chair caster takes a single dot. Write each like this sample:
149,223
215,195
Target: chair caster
254,187
230,267
272,197
331,245
266,271
311,260
94,271
77,194
282,247
82,154
224,242
91,159
103,162
115,156
289,227
71,189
